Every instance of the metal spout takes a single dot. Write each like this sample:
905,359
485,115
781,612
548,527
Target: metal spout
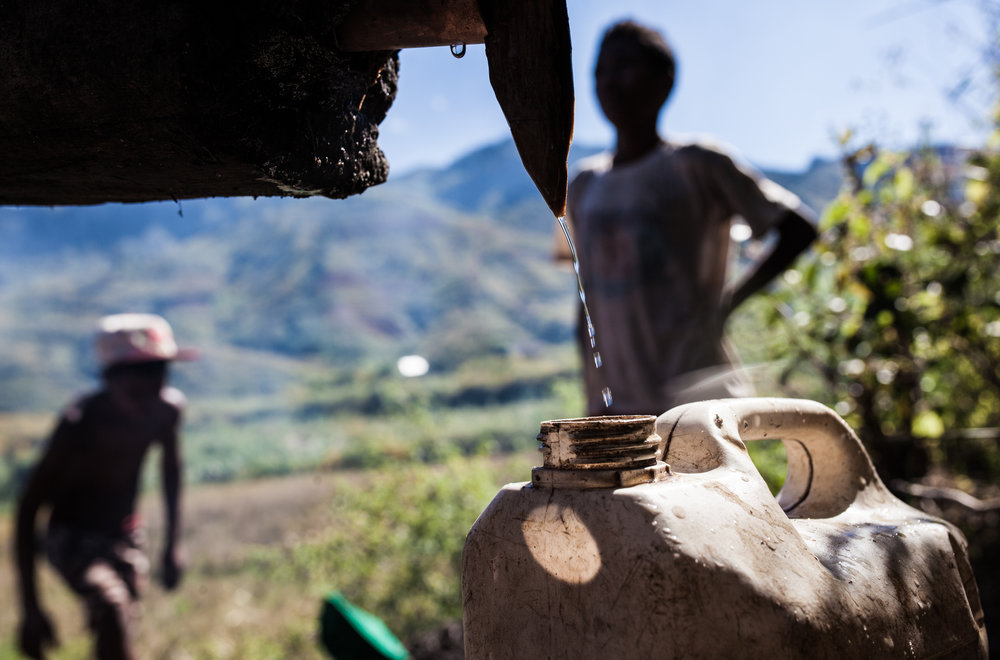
528,51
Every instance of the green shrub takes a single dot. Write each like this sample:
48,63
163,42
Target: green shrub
396,550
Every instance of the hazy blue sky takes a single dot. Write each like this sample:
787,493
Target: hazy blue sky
776,79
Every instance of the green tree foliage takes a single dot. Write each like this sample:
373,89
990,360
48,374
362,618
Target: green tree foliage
898,313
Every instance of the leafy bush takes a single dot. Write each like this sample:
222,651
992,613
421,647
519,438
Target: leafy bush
899,314
397,552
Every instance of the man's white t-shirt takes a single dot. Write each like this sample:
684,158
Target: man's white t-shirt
653,240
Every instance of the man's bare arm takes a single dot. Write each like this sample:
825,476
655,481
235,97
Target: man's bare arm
795,234
36,629
171,467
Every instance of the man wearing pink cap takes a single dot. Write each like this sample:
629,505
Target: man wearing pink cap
88,476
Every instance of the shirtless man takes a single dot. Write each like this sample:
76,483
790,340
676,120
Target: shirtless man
88,476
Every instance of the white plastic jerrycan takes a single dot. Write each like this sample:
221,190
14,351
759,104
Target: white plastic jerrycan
610,553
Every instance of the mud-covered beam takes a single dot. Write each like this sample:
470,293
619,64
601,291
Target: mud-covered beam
149,100
140,101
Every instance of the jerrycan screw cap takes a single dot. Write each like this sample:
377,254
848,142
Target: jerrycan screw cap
599,452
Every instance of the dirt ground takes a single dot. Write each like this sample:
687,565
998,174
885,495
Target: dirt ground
223,523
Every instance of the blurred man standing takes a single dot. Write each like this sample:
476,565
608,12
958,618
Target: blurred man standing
651,223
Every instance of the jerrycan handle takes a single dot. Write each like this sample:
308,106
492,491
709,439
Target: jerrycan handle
828,469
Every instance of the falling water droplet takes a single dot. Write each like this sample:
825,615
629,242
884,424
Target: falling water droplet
607,397
598,362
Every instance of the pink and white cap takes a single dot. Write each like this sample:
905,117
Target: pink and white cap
131,338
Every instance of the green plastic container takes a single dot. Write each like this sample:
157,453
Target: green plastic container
350,633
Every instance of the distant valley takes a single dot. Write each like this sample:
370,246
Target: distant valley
450,263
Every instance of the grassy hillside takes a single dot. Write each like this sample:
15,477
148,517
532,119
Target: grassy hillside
301,309
263,554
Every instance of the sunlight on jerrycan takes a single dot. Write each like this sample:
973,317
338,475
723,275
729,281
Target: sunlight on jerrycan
610,552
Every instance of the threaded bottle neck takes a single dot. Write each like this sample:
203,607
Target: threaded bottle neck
599,452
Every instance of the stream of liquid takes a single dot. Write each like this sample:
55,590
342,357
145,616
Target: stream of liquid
606,392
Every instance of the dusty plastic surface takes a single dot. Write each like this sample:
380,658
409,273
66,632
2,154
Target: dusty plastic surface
703,562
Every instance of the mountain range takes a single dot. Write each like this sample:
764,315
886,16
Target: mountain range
449,263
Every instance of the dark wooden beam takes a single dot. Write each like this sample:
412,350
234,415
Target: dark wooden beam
382,24
151,100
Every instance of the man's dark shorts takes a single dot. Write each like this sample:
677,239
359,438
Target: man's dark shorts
108,572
